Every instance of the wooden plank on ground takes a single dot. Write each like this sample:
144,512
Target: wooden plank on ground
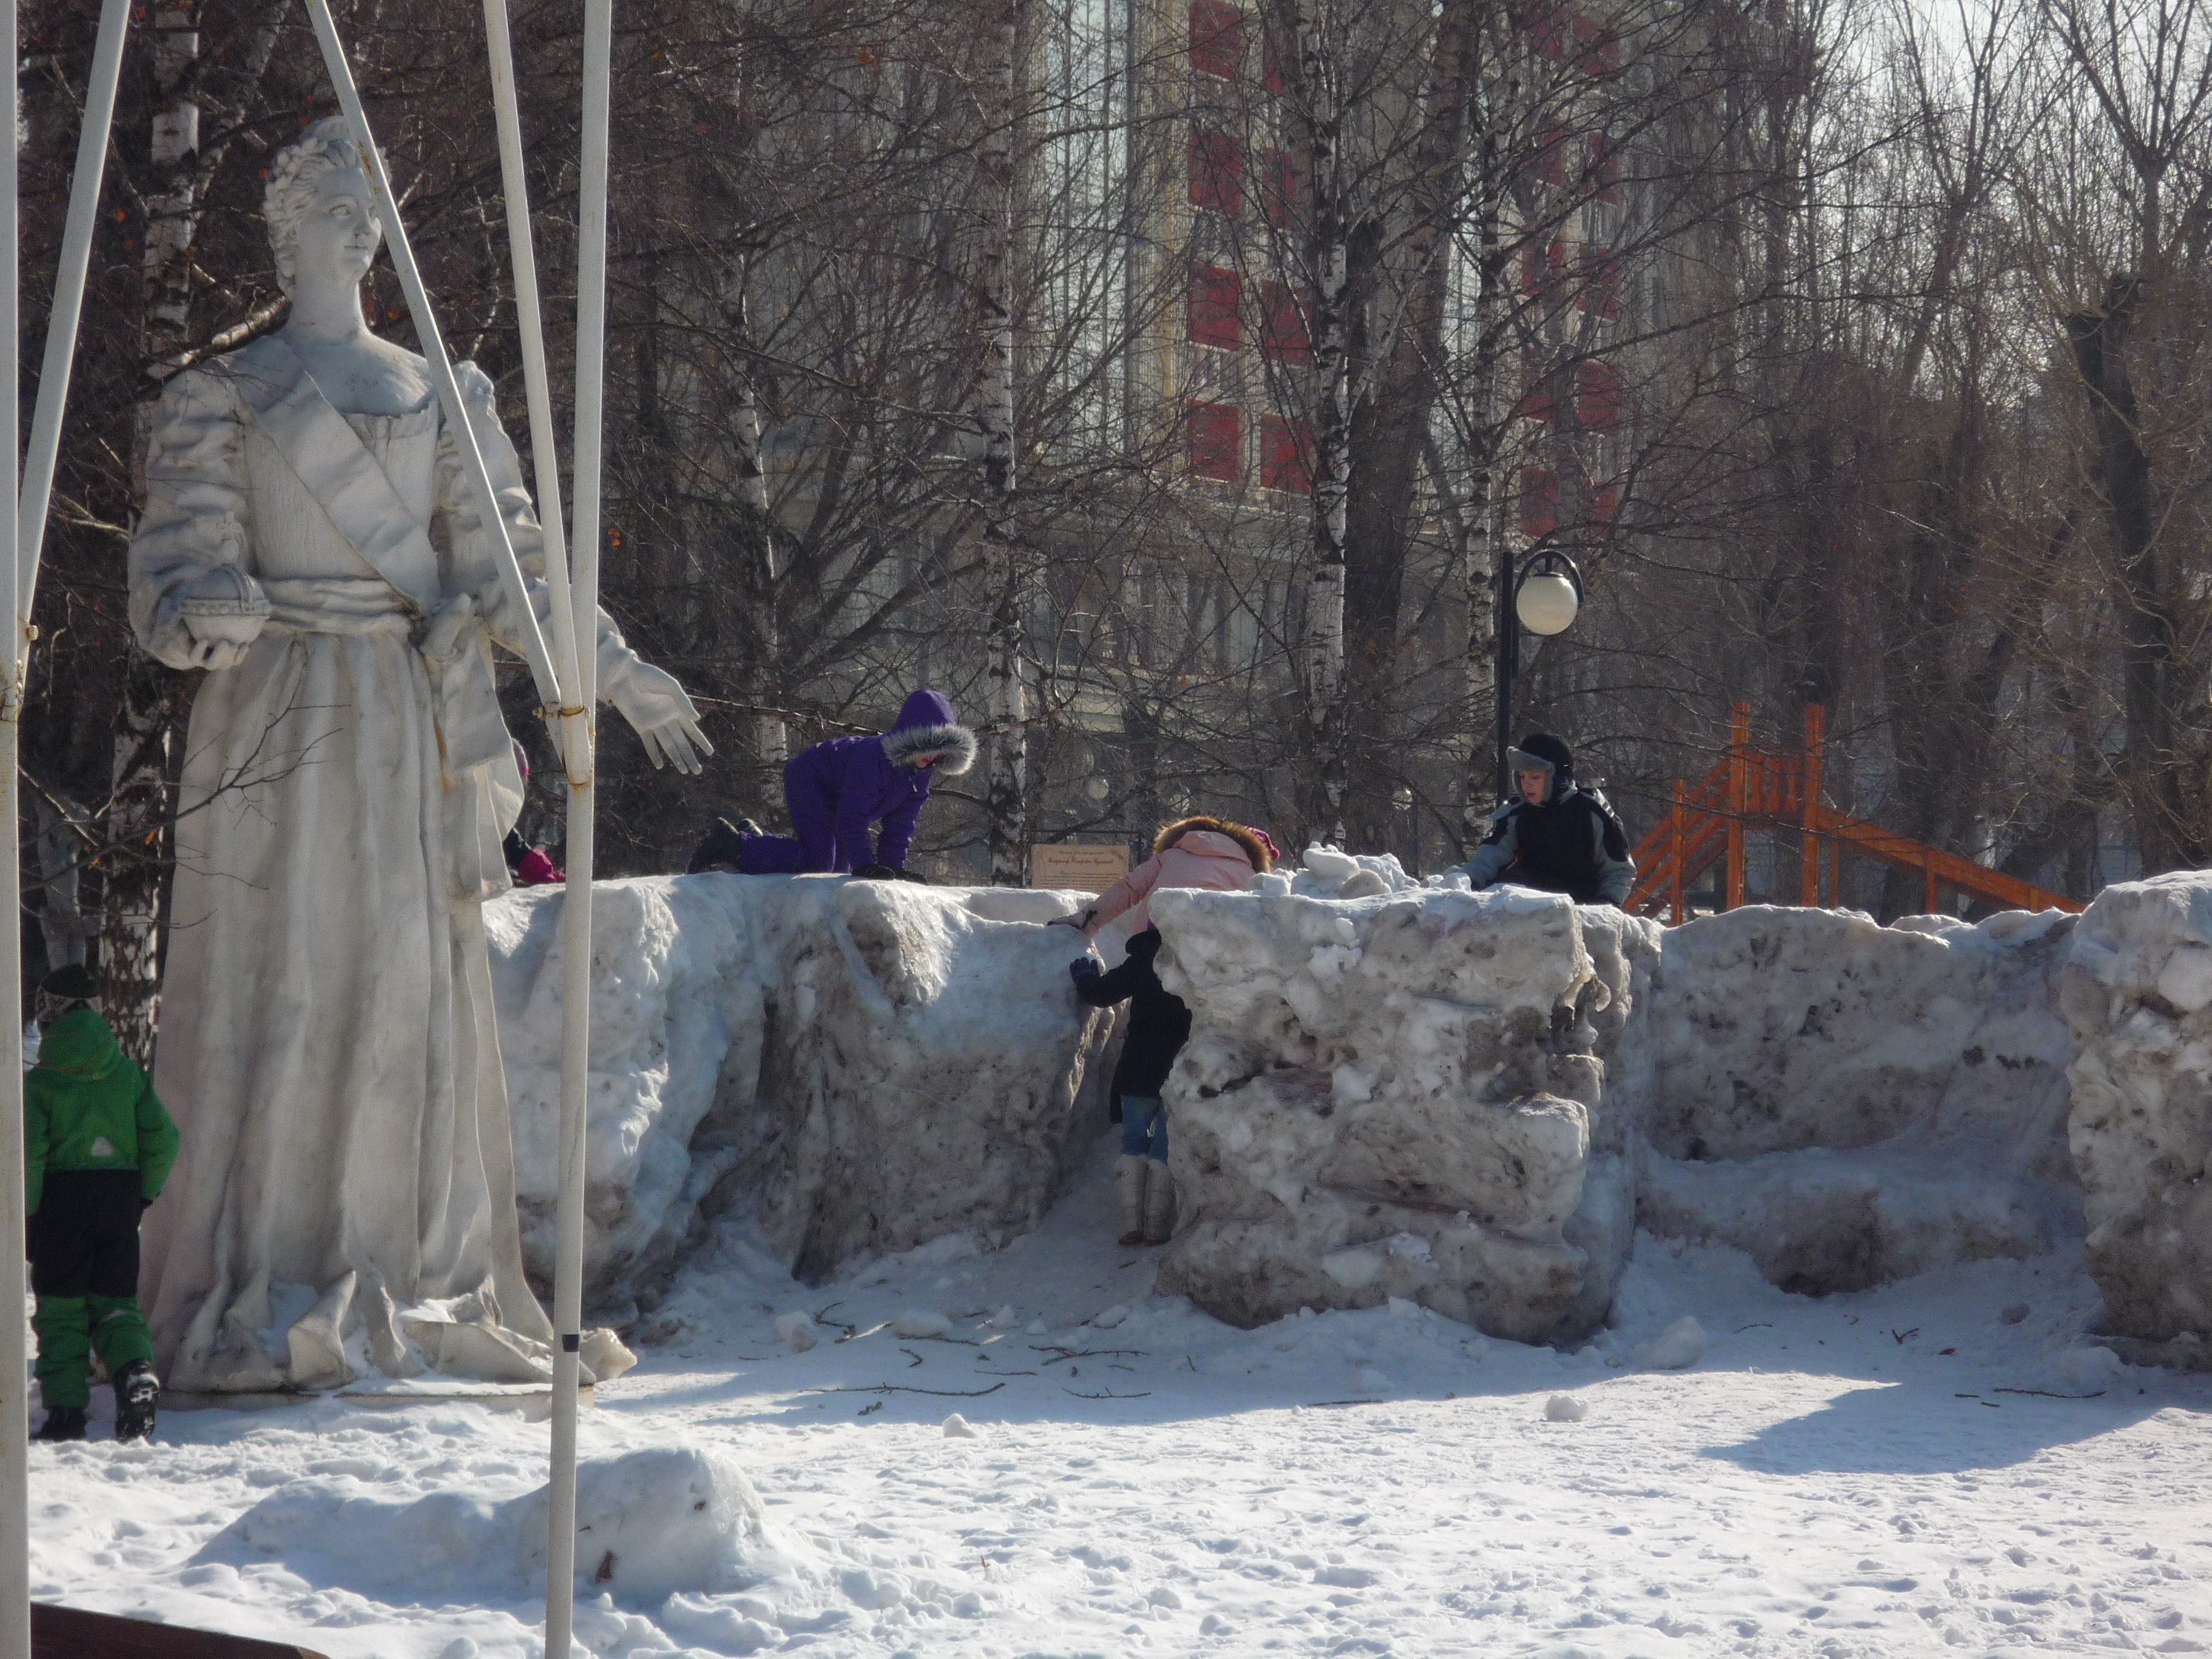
73,1633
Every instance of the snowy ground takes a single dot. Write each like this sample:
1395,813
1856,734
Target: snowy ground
1856,1475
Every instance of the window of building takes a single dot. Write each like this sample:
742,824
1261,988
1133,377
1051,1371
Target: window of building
1601,275
1279,187
1214,321
1283,333
1216,442
1217,38
1285,455
1217,171
1540,501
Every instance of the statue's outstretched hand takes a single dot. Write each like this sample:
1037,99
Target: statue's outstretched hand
666,720
215,655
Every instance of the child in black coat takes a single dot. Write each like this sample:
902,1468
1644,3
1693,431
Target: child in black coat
1159,1024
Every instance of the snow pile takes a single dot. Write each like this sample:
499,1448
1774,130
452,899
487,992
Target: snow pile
649,1525
1401,1097
859,1067
2138,998
1852,1103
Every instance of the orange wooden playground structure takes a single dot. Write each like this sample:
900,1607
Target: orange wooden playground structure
1757,789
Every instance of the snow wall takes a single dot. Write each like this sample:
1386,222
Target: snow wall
1465,1099
858,1066
1430,1096
2138,998
1851,1103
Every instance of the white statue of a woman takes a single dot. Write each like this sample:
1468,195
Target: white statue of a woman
346,1199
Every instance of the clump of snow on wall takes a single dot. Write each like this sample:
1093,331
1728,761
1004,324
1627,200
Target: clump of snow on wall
2138,999
1853,1104
1325,871
858,1066
1400,1096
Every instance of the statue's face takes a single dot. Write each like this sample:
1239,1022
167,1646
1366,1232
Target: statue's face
340,232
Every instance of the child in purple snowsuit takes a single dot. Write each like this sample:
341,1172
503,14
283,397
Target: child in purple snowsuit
839,790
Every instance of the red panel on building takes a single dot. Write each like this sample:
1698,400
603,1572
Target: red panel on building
1283,333
1547,29
1540,501
1276,55
1285,455
1217,38
1596,52
1278,186
1215,434
1214,321
1217,171
1597,400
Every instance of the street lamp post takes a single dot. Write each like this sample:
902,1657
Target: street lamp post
1542,595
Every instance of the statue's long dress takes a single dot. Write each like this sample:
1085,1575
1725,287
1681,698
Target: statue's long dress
345,1201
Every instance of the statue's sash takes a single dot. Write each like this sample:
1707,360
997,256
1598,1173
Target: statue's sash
321,448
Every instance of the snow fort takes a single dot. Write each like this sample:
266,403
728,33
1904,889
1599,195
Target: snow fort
1466,1101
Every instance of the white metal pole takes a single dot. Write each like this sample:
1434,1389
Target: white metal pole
576,915
68,302
441,364
530,325
15,1347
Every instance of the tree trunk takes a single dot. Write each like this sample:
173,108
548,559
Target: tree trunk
1006,777
1390,423
1320,658
2152,768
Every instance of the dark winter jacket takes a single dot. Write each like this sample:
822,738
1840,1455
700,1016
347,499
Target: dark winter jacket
1159,1024
86,1105
1575,845
859,780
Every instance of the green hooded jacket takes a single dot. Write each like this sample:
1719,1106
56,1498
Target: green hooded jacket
86,1105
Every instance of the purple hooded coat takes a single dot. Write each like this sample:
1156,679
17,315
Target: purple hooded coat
838,791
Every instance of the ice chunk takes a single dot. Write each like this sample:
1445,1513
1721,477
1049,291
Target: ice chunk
957,1427
796,1328
1566,1408
921,1323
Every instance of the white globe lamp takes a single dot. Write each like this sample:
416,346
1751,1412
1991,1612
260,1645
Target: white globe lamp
1546,604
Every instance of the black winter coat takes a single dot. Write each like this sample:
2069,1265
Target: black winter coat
1159,1024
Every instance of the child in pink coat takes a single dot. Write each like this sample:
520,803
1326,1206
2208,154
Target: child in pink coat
1197,852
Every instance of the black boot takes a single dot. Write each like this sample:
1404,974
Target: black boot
63,1423
138,1392
722,847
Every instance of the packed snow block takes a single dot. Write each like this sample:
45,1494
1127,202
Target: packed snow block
1852,1103
2138,999
858,1067
1400,1096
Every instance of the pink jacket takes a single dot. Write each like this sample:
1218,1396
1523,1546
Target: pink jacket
1203,858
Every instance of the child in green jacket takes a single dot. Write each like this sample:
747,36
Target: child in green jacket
97,1145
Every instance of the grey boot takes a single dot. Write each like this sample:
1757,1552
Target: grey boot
1129,1178
1159,1203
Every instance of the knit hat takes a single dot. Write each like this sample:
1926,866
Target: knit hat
72,980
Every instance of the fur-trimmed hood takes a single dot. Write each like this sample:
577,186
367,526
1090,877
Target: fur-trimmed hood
926,727
1254,847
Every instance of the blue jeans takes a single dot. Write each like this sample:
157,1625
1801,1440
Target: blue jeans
1144,1127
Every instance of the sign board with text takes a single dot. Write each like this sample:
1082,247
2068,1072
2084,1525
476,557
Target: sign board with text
1084,869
